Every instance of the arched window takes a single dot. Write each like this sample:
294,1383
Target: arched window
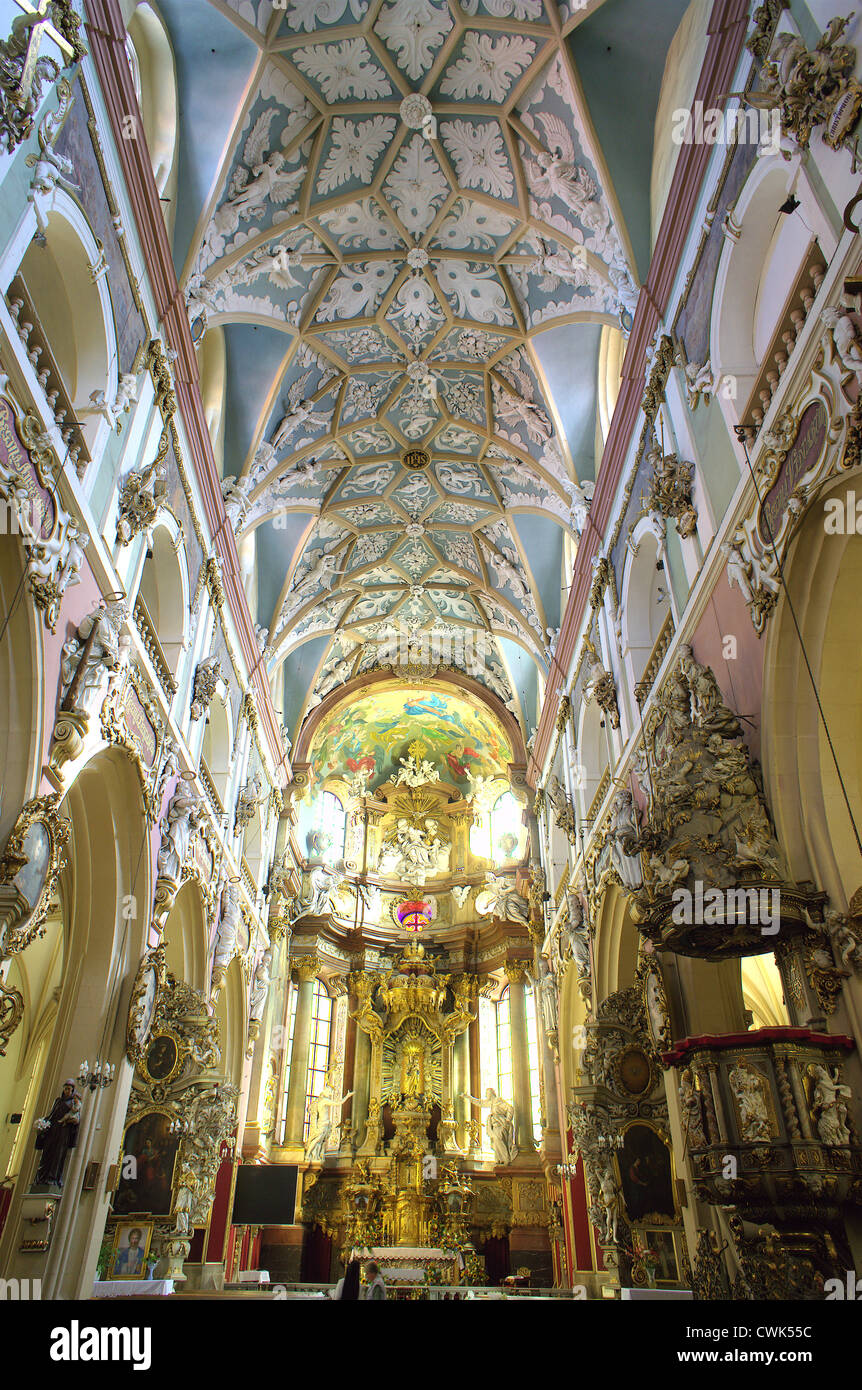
499,835
495,1052
318,1051
326,837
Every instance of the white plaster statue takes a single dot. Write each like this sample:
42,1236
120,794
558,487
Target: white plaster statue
322,1109
500,1127
750,1089
300,411
54,563
846,943
228,926
414,852
482,794
322,882
95,651
236,493
548,1001
184,815
50,172
260,987
499,899
845,334
414,772
268,181
625,833
577,936
829,1104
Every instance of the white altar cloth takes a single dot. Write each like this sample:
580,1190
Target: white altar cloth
132,1288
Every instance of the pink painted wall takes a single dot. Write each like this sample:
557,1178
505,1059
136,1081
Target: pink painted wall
740,680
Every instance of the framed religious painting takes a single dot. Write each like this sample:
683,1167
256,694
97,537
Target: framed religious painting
146,1185
146,990
646,1174
162,1058
655,1004
131,1247
29,868
661,1241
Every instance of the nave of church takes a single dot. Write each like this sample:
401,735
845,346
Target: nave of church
430,674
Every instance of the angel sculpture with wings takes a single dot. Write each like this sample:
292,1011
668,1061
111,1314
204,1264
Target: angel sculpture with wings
559,267
268,182
300,412
559,175
514,407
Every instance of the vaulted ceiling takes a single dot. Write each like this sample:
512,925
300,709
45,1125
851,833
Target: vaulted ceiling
400,214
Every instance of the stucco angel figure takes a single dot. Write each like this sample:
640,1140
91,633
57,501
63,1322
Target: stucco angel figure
322,882
499,899
482,794
415,771
51,171
558,175
847,339
500,1126
269,183
300,411
846,942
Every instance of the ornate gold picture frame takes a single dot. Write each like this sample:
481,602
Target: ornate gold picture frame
143,1004
29,868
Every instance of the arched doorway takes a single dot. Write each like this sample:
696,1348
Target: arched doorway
103,912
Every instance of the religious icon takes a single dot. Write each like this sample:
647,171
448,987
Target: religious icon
161,1057
412,1072
149,1158
662,1242
131,1244
645,1173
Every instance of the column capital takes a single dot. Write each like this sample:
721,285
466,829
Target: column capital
306,968
515,971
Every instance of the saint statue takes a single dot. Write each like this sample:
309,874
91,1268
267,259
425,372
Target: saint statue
322,1109
500,1127
58,1133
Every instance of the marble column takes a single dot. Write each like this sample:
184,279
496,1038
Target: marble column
306,970
516,975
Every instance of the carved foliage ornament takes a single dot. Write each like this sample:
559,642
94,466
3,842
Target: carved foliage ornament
144,491
144,1003
812,88
52,542
24,69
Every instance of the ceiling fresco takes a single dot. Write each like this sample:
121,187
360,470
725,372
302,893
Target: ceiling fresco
375,732
410,194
